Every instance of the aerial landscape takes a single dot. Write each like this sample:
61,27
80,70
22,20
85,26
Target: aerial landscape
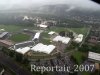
49,37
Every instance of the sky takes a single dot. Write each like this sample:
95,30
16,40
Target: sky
78,3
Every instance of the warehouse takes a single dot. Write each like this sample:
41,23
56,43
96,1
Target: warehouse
64,40
24,44
23,50
94,56
43,48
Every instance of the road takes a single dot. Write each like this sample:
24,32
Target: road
86,36
7,61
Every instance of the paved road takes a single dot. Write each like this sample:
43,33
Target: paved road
5,60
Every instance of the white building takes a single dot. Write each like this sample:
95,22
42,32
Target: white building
43,48
51,33
79,38
64,40
25,18
23,50
94,56
37,35
43,26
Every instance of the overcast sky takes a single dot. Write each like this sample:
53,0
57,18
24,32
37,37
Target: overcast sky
79,3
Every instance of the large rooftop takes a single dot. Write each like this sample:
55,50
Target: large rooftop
94,56
24,44
64,40
43,48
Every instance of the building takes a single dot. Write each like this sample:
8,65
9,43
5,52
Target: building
37,35
3,35
23,47
23,50
43,26
6,43
79,38
24,44
51,32
94,56
64,40
25,18
43,48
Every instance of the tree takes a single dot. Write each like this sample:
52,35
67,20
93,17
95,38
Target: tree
19,57
62,33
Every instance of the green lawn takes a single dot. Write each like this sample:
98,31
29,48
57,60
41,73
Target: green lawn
58,29
13,28
76,30
19,37
78,56
80,30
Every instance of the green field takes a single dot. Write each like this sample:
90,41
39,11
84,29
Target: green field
80,30
78,56
13,28
20,37
58,29
76,30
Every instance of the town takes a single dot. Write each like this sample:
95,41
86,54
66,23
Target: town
46,44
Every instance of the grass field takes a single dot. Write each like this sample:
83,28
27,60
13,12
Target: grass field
80,30
58,29
13,28
19,37
76,30
78,56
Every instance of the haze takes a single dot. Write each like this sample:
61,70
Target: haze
7,4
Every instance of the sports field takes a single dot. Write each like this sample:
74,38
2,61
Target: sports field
20,37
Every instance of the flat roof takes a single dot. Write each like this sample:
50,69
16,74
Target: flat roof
23,50
43,48
51,32
79,38
6,42
94,56
24,44
37,35
43,26
3,34
64,40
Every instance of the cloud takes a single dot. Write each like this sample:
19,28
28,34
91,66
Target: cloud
79,3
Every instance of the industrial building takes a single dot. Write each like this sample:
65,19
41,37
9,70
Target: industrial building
37,48
23,50
24,44
43,48
64,40
94,56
